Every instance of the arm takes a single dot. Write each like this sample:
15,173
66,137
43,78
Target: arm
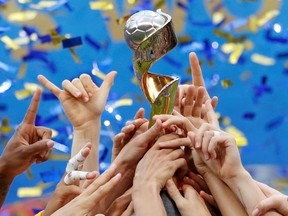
226,201
83,103
152,172
220,153
29,144
66,189
128,158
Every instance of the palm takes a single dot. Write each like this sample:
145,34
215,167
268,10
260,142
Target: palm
79,112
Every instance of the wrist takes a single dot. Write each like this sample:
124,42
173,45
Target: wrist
88,125
143,184
241,177
5,172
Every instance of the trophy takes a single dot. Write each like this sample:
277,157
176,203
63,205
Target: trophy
151,35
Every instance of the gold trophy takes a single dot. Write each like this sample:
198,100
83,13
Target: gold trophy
151,35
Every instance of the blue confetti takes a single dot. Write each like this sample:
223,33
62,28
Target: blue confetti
71,42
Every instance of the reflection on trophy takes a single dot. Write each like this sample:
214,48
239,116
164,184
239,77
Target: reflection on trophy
151,35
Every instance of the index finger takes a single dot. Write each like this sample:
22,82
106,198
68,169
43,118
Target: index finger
49,85
33,108
197,77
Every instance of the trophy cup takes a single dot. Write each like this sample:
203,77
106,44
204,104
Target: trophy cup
151,35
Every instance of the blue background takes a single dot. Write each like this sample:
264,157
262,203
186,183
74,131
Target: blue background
266,130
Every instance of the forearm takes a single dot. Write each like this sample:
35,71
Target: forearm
227,202
247,191
147,201
127,175
90,132
5,182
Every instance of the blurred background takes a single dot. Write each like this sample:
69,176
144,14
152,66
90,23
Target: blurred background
242,47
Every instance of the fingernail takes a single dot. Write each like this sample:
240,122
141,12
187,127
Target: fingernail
50,143
206,156
255,212
77,94
86,99
90,175
197,145
90,94
117,176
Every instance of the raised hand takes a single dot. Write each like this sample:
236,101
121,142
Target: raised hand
218,150
152,172
29,144
83,102
82,99
132,129
188,204
84,204
68,188
197,82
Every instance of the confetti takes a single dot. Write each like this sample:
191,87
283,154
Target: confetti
262,60
5,127
9,42
36,191
226,83
72,42
22,16
101,5
241,140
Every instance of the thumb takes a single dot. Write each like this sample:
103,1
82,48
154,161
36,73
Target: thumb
39,146
109,80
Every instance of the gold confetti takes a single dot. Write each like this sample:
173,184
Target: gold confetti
23,94
74,55
122,102
235,55
123,19
267,17
252,24
5,127
217,18
29,173
226,83
184,39
101,5
239,136
22,16
32,191
262,60
159,4
22,71
9,42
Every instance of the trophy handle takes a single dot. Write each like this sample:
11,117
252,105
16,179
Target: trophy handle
160,91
